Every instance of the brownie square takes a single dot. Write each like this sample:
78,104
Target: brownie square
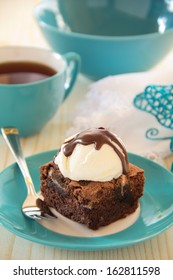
92,203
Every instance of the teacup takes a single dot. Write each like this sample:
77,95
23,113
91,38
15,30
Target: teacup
28,103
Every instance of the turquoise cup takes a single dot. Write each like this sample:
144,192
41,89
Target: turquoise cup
29,106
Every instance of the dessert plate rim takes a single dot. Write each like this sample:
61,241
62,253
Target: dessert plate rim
155,217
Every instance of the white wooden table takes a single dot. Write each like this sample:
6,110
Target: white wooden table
18,27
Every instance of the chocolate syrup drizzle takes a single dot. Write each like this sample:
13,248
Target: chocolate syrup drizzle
98,137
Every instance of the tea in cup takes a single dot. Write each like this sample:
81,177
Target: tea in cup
33,84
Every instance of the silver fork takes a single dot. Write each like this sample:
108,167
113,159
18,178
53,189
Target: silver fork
33,207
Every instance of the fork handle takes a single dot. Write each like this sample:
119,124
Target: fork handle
11,137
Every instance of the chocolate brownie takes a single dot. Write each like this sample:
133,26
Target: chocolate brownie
92,203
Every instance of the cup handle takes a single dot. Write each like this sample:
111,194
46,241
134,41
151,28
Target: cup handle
73,64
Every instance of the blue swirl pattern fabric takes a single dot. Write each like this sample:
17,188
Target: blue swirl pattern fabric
158,101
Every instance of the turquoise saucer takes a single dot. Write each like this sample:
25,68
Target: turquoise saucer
156,208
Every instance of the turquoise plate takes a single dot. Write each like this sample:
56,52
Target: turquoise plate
156,208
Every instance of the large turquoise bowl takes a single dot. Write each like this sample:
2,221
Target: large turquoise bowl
110,38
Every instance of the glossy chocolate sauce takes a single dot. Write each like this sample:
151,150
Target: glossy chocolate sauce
98,137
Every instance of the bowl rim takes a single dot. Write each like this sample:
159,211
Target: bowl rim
39,7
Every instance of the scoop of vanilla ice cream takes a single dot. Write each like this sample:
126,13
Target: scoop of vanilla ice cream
87,163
